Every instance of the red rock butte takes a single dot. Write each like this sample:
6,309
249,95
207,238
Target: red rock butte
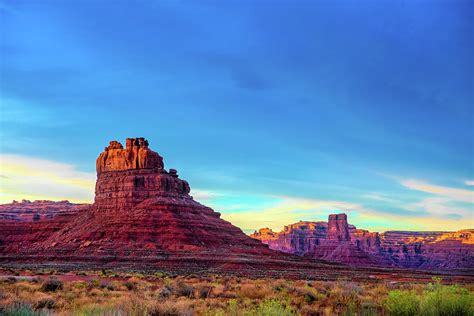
126,177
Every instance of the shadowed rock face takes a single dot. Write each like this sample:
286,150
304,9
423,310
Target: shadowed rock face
340,242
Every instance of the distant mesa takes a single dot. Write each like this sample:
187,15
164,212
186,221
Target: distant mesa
338,241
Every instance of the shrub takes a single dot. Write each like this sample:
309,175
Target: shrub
9,280
183,289
204,291
254,291
437,300
17,309
311,295
45,303
273,308
168,308
94,283
52,285
403,303
165,292
131,285
446,301
160,275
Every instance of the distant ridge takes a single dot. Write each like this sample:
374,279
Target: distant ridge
338,241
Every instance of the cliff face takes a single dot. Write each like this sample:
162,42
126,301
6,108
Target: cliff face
340,242
299,238
32,211
25,223
338,229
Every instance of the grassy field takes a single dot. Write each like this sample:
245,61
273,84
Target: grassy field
109,293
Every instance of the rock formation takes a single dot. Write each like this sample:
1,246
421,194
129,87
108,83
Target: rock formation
338,229
126,177
299,238
136,155
25,223
340,242
28,211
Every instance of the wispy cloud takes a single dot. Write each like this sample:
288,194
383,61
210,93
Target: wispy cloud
204,195
32,178
290,210
455,194
444,202
469,182
443,207
379,197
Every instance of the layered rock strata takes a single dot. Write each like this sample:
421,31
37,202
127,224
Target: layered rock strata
338,241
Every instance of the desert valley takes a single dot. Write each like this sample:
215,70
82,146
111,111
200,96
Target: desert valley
145,223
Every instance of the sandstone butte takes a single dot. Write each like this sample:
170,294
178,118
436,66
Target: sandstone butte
338,241
144,218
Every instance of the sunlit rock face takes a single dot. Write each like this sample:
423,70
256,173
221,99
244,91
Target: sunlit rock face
339,241
299,238
126,177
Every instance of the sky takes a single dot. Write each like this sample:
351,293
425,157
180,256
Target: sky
273,111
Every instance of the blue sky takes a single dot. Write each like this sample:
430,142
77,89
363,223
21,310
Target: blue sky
274,111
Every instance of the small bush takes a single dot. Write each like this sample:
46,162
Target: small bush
168,308
52,285
183,289
447,300
94,283
254,291
204,291
437,300
17,309
403,303
273,308
45,303
10,280
130,285
165,292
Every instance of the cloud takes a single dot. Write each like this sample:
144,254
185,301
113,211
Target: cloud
461,195
469,182
379,197
445,202
287,210
441,206
204,195
37,179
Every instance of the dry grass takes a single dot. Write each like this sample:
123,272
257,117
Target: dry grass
108,293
